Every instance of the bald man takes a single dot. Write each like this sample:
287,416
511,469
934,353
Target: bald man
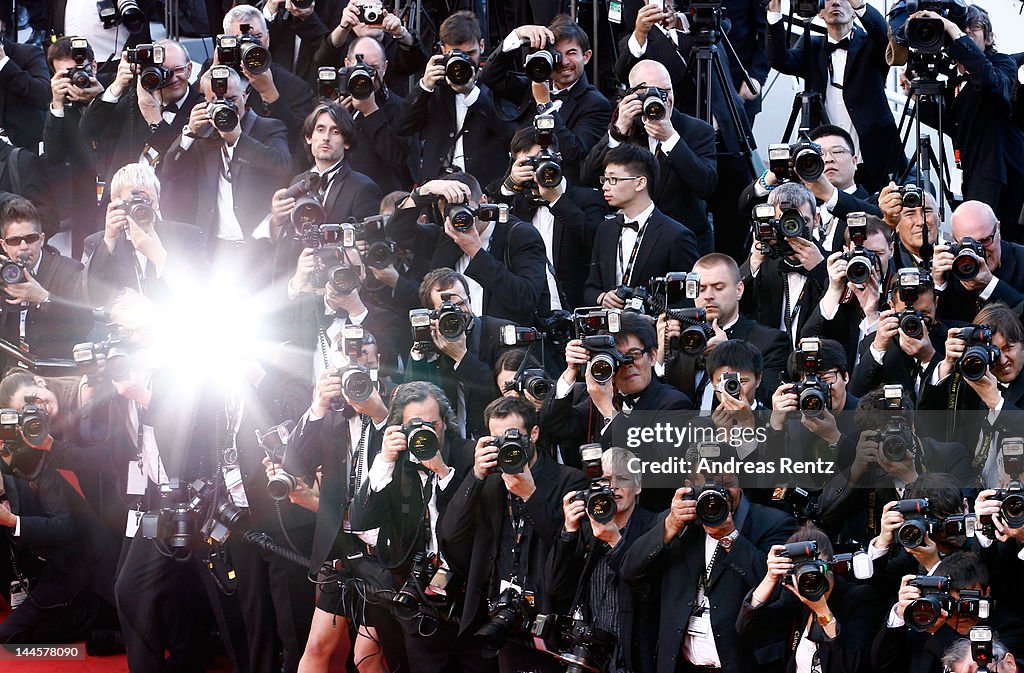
1000,278
683,145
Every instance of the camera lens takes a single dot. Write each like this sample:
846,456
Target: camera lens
12,273
894,448
923,613
791,223
911,198
548,174
810,580
343,279
540,65
911,534
601,506
255,58
1013,510
858,271
223,115
357,385
152,78
966,265
512,457
654,108
693,340
422,442
974,363
280,485
926,35
458,70
538,387
712,508
808,164
812,402
451,325
912,325
132,16
380,255
183,529
360,85
80,78
602,368
308,212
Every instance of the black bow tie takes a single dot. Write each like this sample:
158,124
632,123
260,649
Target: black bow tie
560,95
170,107
337,315
626,400
626,224
830,47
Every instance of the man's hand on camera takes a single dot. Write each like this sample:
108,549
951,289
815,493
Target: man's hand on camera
521,484
485,457
469,241
394,444
630,108
808,254
611,300
576,356
301,13
304,268
867,455
455,349
198,119
122,79
682,511
328,388
537,37
573,511
890,201
29,291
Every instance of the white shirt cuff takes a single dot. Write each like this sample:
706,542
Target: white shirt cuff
876,354
562,389
57,112
186,141
994,413
989,289
659,369
380,474
634,46
984,540
108,97
262,230
442,484
425,88
511,42
868,326
612,142
876,552
774,18
894,621
668,145
759,190
17,526
830,204
941,287
4,61
828,307
266,13
1020,554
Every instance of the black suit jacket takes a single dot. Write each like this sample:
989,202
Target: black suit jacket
896,366
36,184
379,152
285,27
580,121
764,295
403,61
471,529
957,303
681,563
667,245
260,164
485,140
24,94
863,89
686,176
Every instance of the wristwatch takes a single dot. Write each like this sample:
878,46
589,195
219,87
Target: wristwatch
543,108
826,619
727,541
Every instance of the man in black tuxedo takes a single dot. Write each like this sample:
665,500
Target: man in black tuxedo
684,151
146,255
128,122
1000,276
24,93
580,112
407,498
706,571
463,366
500,527
640,242
459,124
909,248
786,277
504,262
720,291
848,71
44,312
289,23
222,177
566,216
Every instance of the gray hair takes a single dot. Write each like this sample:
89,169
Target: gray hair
420,391
960,651
244,14
135,176
793,195
616,461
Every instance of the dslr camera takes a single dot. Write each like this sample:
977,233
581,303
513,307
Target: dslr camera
357,382
860,262
424,585
81,74
357,80
125,12
713,507
381,251
12,271
308,212
919,523
222,112
596,320
696,330
514,452
458,67
980,354
546,164
729,384
911,282
924,612
655,103
897,437
422,440
808,9
810,575
30,425
533,381
140,208
772,233
913,323
243,49
115,364
274,443
605,358
540,65
598,496
582,646
797,161
1012,495
968,256
814,396
508,614
463,218
452,320
910,196
148,65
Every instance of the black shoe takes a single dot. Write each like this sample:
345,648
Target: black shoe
38,38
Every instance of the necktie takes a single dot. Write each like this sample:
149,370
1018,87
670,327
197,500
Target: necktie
830,47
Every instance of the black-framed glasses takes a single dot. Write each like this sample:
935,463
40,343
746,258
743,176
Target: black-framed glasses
15,241
636,353
614,179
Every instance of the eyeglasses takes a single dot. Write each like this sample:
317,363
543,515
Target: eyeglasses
829,377
179,70
15,241
836,151
614,179
636,353
990,239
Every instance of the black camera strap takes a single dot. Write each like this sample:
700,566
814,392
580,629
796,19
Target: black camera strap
627,268
355,474
518,572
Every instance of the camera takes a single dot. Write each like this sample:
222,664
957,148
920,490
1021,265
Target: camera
596,320
1012,496
560,328
655,103
318,236
514,452
139,207
358,78
343,278
452,320
540,65
772,233
674,288
463,218
895,439
371,15
221,111
981,647
807,354
575,642
148,64
928,35
800,503
507,615
458,68
800,160
422,338
253,55
860,262
532,381
425,568
546,164
814,396
598,496
381,252
912,323
916,524
968,256
357,382
633,298
30,424
12,271
328,87
605,358
422,439
274,443
729,384
808,9
696,330
911,282
924,612
116,365
713,506
125,12
980,354
910,196
81,74
809,575
308,211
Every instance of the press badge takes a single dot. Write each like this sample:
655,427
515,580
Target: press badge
136,479
615,11
236,489
131,527
700,619
19,592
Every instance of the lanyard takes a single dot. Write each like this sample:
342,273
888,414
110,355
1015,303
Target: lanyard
627,269
355,475
518,573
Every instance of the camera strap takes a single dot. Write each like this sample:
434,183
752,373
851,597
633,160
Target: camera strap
704,579
518,572
355,473
627,268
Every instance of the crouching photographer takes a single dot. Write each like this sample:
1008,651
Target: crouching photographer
833,620
499,529
600,522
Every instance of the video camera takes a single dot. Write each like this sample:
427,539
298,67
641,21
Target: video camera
124,12
801,160
928,35
860,262
243,49
148,65
598,496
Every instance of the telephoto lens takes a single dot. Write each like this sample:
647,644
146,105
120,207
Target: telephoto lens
712,504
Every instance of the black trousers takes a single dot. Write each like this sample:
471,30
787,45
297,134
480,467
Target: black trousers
31,622
445,651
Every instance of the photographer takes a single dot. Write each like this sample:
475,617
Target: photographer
566,216
989,144
137,248
42,311
296,30
719,294
581,113
407,498
847,70
910,247
457,121
507,366
734,372
967,280
959,658
786,277
707,568
849,311
460,364
500,527
640,242
23,92
683,148
589,551
504,262
835,628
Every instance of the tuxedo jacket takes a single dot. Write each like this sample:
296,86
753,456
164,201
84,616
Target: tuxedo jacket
25,174
772,343
764,296
687,176
470,532
667,245
957,303
52,329
106,273
24,94
512,271
485,139
896,366
580,121
403,61
260,164
971,416
380,153
284,28
681,563
863,88
844,326
680,62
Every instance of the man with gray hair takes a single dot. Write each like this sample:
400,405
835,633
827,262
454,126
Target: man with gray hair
786,274
959,658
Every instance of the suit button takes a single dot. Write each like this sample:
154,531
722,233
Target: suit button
451,135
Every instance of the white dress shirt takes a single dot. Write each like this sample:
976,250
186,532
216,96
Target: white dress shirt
476,290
